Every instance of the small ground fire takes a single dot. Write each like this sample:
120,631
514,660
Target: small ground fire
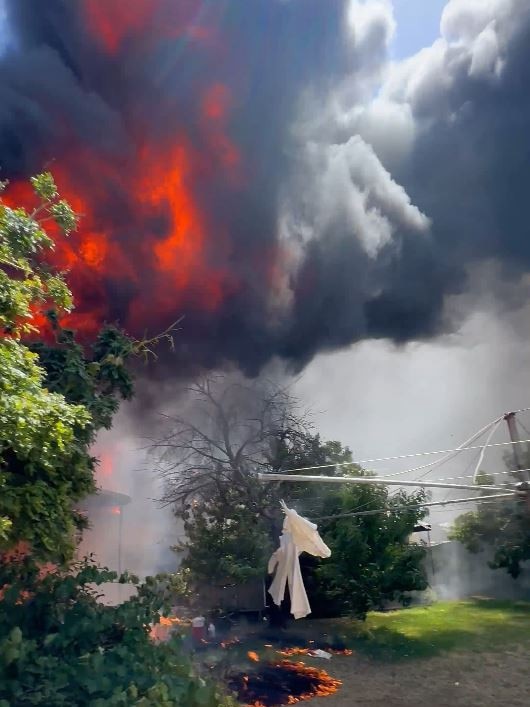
283,683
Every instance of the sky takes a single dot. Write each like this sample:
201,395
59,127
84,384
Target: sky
417,25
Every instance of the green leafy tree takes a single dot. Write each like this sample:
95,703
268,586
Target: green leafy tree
24,279
60,646
372,560
94,376
308,452
54,395
502,527
227,542
42,468
232,521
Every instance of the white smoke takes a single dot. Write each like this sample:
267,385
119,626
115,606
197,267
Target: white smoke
148,530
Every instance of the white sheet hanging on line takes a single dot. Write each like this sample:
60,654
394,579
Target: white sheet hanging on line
298,535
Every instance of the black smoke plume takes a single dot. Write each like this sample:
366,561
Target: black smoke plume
172,126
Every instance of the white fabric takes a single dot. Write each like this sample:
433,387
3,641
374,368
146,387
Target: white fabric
298,535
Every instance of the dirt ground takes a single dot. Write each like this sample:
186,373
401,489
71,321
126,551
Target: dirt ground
495,679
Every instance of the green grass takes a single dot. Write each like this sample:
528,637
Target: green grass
473,625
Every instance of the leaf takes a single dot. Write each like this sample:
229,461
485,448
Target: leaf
203,695
10,655
16,636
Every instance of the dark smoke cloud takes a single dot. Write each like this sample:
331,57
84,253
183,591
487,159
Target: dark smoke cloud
452,125
354,218
469,169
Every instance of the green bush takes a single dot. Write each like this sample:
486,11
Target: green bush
61,646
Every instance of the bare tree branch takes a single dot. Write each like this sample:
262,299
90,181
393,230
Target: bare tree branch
233,429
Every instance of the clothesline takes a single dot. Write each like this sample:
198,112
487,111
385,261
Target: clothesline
491,428
443,478
293,478
462,447
430,504
471,476
452,453
402,456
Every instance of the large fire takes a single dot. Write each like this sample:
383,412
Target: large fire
188,136
165,242
148,241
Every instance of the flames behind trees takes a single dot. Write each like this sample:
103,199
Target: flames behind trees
172,129
143,112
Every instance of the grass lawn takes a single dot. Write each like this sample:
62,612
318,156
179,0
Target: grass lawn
471,626
471,653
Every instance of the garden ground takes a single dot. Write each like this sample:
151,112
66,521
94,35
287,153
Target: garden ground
451,654
472,653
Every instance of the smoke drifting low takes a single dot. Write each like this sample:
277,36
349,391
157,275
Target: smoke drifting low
261,168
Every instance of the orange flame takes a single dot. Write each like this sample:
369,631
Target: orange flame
144,230
105,466
326,685
320,683
252,655
159,191
113,21
174,621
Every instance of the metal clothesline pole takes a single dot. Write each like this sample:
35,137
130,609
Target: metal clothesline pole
373,480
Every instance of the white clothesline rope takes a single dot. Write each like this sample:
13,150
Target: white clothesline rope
360,480
401,456
451,453
472,476
468,476
461,448
484,499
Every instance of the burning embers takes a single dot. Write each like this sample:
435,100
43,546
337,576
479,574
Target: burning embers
314,652
284,683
